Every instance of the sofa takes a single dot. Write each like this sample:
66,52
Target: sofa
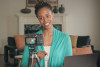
80,45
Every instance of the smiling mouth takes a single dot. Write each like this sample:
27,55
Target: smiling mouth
46,24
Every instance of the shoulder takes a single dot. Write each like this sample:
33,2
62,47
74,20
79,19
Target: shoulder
61,33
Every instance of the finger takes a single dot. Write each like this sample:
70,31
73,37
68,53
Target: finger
41,54
39,58
45,53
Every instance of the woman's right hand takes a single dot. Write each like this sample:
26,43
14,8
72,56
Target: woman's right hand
41,55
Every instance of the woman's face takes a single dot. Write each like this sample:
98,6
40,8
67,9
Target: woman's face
45,16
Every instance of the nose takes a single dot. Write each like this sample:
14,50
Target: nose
45,19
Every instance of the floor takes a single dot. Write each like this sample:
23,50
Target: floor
2,63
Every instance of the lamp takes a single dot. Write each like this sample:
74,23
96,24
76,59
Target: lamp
26,10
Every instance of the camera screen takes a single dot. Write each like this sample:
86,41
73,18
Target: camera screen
30,40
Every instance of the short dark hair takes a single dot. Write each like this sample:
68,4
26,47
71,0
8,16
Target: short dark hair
40,5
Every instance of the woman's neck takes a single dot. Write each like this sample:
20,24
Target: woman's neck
48,31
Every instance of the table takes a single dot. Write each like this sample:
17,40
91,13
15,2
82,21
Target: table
19,57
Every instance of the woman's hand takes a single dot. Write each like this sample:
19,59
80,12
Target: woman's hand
41,55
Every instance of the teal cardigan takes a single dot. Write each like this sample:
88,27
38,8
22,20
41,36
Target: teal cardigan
61,47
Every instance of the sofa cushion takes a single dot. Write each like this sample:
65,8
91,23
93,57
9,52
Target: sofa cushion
74,41
20,41
83,40
81,51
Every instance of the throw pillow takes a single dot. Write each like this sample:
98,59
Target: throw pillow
20,41
83,41
74,41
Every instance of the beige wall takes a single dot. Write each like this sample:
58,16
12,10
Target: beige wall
83,19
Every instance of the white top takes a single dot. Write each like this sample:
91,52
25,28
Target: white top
47,49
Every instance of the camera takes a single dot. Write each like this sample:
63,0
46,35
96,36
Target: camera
33,40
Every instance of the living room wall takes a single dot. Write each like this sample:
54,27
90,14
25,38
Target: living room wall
82,19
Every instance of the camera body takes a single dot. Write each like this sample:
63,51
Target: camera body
33,40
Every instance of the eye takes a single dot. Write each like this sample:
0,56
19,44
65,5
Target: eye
40,18
48,16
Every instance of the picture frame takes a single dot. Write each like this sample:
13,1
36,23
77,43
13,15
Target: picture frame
32,3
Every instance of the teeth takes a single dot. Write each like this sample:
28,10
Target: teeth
46,23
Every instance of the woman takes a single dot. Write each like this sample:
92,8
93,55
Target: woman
57,44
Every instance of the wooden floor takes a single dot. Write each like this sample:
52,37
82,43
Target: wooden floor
3,64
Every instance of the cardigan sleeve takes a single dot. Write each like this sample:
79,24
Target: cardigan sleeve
69,47
25,58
